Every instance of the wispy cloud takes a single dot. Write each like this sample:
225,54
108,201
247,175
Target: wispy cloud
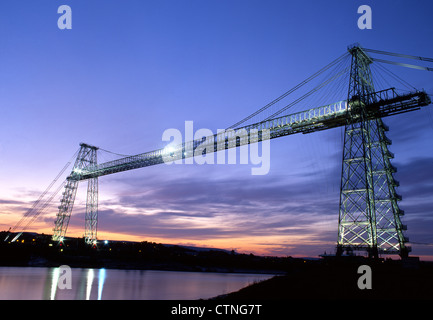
205,209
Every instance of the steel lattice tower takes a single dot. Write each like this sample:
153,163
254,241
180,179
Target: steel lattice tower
87,157
369,215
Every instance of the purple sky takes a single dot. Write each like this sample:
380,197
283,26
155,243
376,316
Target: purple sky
127,72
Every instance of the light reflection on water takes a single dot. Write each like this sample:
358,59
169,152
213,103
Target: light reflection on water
28,283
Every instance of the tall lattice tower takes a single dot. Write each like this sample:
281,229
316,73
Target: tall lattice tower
87,157
369,215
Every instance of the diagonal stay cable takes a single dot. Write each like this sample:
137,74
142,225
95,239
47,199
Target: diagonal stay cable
117,154
307,94
30,211
399,55
301,84
44,206
396,77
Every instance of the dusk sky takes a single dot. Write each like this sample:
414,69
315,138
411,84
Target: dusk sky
129,70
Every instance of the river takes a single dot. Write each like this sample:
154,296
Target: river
31,283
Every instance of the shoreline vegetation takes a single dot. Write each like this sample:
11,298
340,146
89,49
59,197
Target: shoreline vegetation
294,278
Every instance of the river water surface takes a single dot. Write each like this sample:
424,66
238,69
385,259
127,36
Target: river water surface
29,283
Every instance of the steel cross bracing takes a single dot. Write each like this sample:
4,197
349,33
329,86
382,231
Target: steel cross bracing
87,156
369,214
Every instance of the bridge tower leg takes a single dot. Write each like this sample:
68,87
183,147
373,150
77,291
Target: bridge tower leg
91,220
369,215
87,156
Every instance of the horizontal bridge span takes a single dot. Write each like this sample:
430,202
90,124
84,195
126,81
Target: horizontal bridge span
386,103
305,121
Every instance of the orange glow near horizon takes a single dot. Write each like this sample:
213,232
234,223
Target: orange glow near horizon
261,246
264,245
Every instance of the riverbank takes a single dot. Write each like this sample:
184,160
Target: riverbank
295,279
338,280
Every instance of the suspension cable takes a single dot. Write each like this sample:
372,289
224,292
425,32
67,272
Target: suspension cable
399,55
290,91
117,154
30,211
403,64
307,94
44,206
404,82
